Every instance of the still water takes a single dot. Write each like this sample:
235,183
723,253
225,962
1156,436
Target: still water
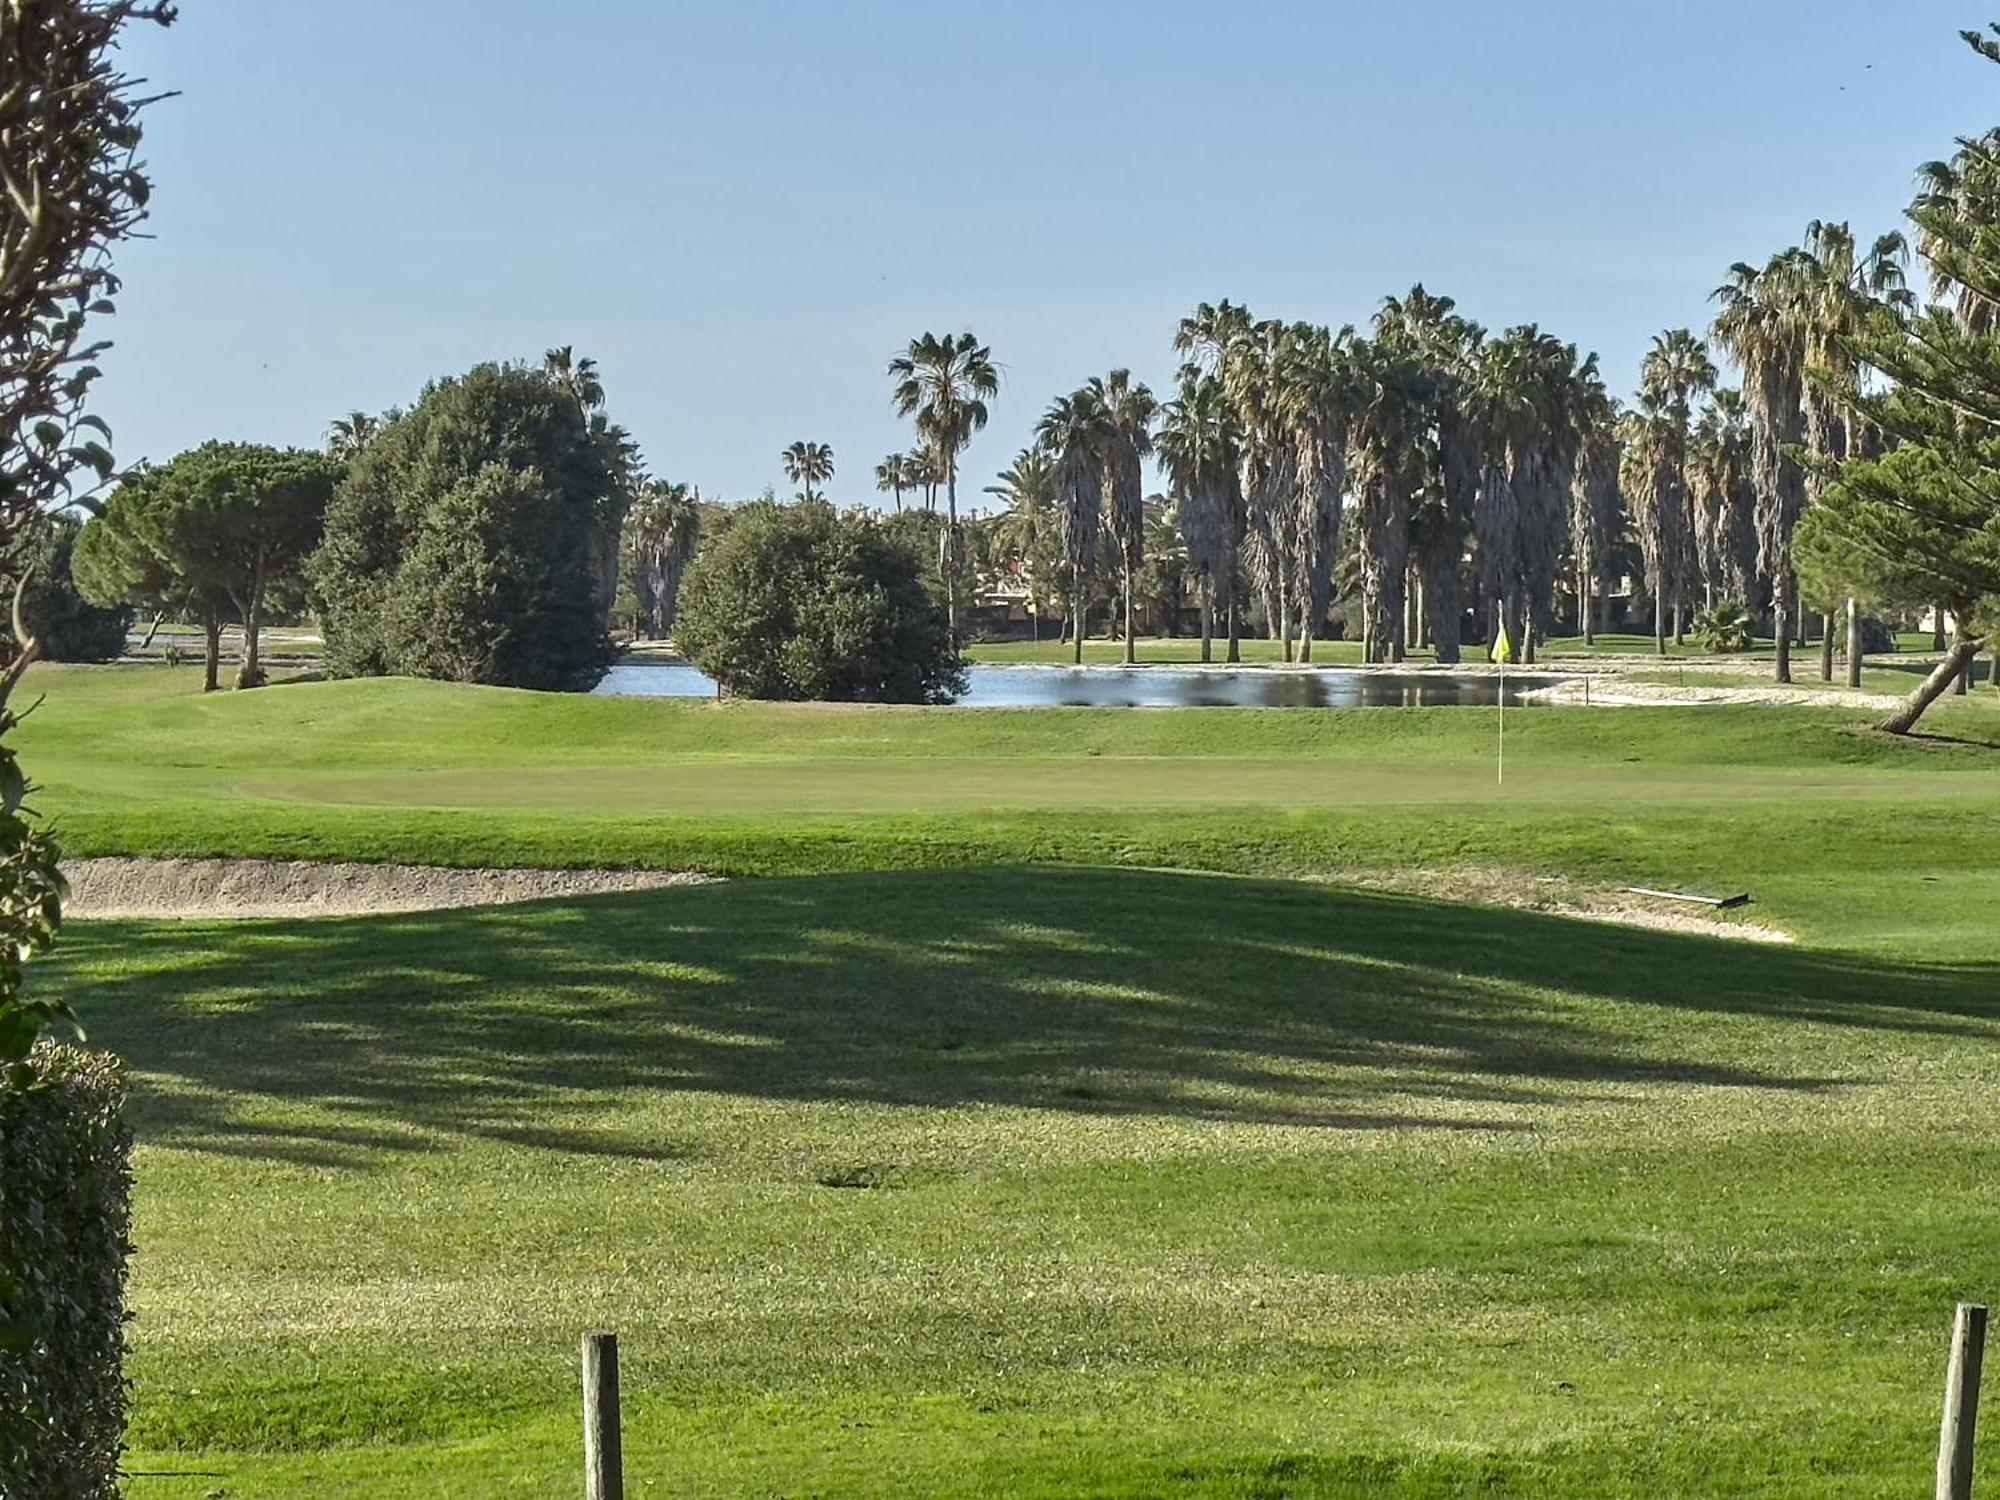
1148,687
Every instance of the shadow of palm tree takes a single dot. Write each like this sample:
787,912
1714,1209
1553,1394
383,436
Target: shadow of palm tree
1078,990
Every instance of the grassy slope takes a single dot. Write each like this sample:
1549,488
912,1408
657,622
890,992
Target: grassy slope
1014,1182
1180,1185
134,761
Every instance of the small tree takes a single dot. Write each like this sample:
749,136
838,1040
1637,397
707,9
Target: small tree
218,526
801,602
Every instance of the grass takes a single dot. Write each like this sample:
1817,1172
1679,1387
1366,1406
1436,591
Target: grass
986,1155
135,761
1044,1182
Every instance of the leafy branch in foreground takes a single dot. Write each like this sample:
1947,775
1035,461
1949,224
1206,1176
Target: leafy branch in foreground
71,189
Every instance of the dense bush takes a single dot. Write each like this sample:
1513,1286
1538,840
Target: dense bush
801,602
1724,629
475,539
65,1216
67,626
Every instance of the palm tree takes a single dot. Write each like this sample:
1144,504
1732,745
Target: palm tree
1073,433
893,475
577,376
1724,501
920,472
1530,388
1128,412
808,464
1677,366
1427,330
665,527
1200,448
946,385
1325,384
1762,325
1208,336
1253,377
1846,293
350,434
1597,503
1648,480
1956,201
1027,530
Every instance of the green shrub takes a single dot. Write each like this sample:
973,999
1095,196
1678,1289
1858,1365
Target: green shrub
65,1218
475,539
1725,629
801,602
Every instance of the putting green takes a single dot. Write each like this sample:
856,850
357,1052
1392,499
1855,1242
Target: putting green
898,785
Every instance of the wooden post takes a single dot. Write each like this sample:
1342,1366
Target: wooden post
603,1444
1961,1403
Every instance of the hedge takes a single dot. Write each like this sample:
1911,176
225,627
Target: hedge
65,1221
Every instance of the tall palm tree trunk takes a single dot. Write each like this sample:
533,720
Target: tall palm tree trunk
1660,620
1782,589
1207,616
1584,627
949,545
1234,651
1131,656
1079,618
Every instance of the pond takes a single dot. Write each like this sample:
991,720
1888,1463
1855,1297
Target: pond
1152,687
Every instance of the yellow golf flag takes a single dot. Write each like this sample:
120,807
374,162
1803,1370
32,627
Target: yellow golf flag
1503,647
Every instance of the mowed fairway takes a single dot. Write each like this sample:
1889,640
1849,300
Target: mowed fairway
982,1154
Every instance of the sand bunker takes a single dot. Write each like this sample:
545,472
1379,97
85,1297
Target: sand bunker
1561,898
107,888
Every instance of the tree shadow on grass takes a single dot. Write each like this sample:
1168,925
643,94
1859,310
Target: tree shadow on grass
1087,991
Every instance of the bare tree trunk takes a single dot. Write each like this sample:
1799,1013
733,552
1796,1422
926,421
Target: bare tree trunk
1131,655
1207,617
1604,612
153,630
211,629
1826,647
1781,624
1853,642
1660,621
1937,627
251,673
1680,615
1947,671
1234,652
1080,619
1963,686
1583,621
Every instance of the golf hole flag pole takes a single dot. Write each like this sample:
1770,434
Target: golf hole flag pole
1502,652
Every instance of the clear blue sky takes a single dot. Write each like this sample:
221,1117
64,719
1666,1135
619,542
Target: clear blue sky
742,208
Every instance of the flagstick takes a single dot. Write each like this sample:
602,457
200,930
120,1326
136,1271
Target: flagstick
1500,765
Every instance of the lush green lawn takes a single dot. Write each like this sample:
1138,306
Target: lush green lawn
135,761
986,1156
1046,1182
